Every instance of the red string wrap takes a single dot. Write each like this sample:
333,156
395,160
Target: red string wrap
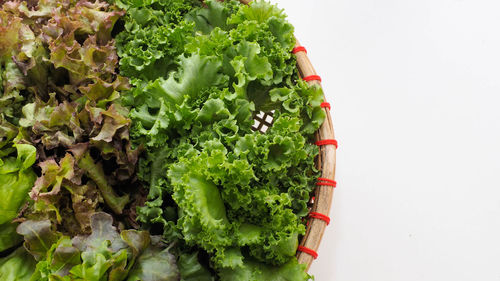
308,251
327,142
326,105
299,49
325,181
319,216
312,78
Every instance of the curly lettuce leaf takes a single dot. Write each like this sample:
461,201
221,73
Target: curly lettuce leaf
171,98
215,14
206,184
154,35
195,74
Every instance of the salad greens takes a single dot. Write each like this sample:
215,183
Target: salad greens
233,192
105,254
16,179
19,266
128,149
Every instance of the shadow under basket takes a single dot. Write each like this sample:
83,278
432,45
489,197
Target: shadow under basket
321,202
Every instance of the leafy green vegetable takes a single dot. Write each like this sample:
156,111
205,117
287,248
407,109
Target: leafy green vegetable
290,271
18,266
104,143
105,254
58,64
229,191
16,179
58,95
191,270
155,264
154,34
39,237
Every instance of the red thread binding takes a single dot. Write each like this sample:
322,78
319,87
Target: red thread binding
319,216
325,181
299,49
326,105
308,251
312,78
327,142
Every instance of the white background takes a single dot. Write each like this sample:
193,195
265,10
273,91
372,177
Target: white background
415,90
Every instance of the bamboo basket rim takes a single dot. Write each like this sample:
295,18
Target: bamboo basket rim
326,163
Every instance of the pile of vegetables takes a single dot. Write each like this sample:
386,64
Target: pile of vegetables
127,146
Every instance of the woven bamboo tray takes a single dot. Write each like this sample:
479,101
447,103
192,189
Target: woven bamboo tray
323,193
